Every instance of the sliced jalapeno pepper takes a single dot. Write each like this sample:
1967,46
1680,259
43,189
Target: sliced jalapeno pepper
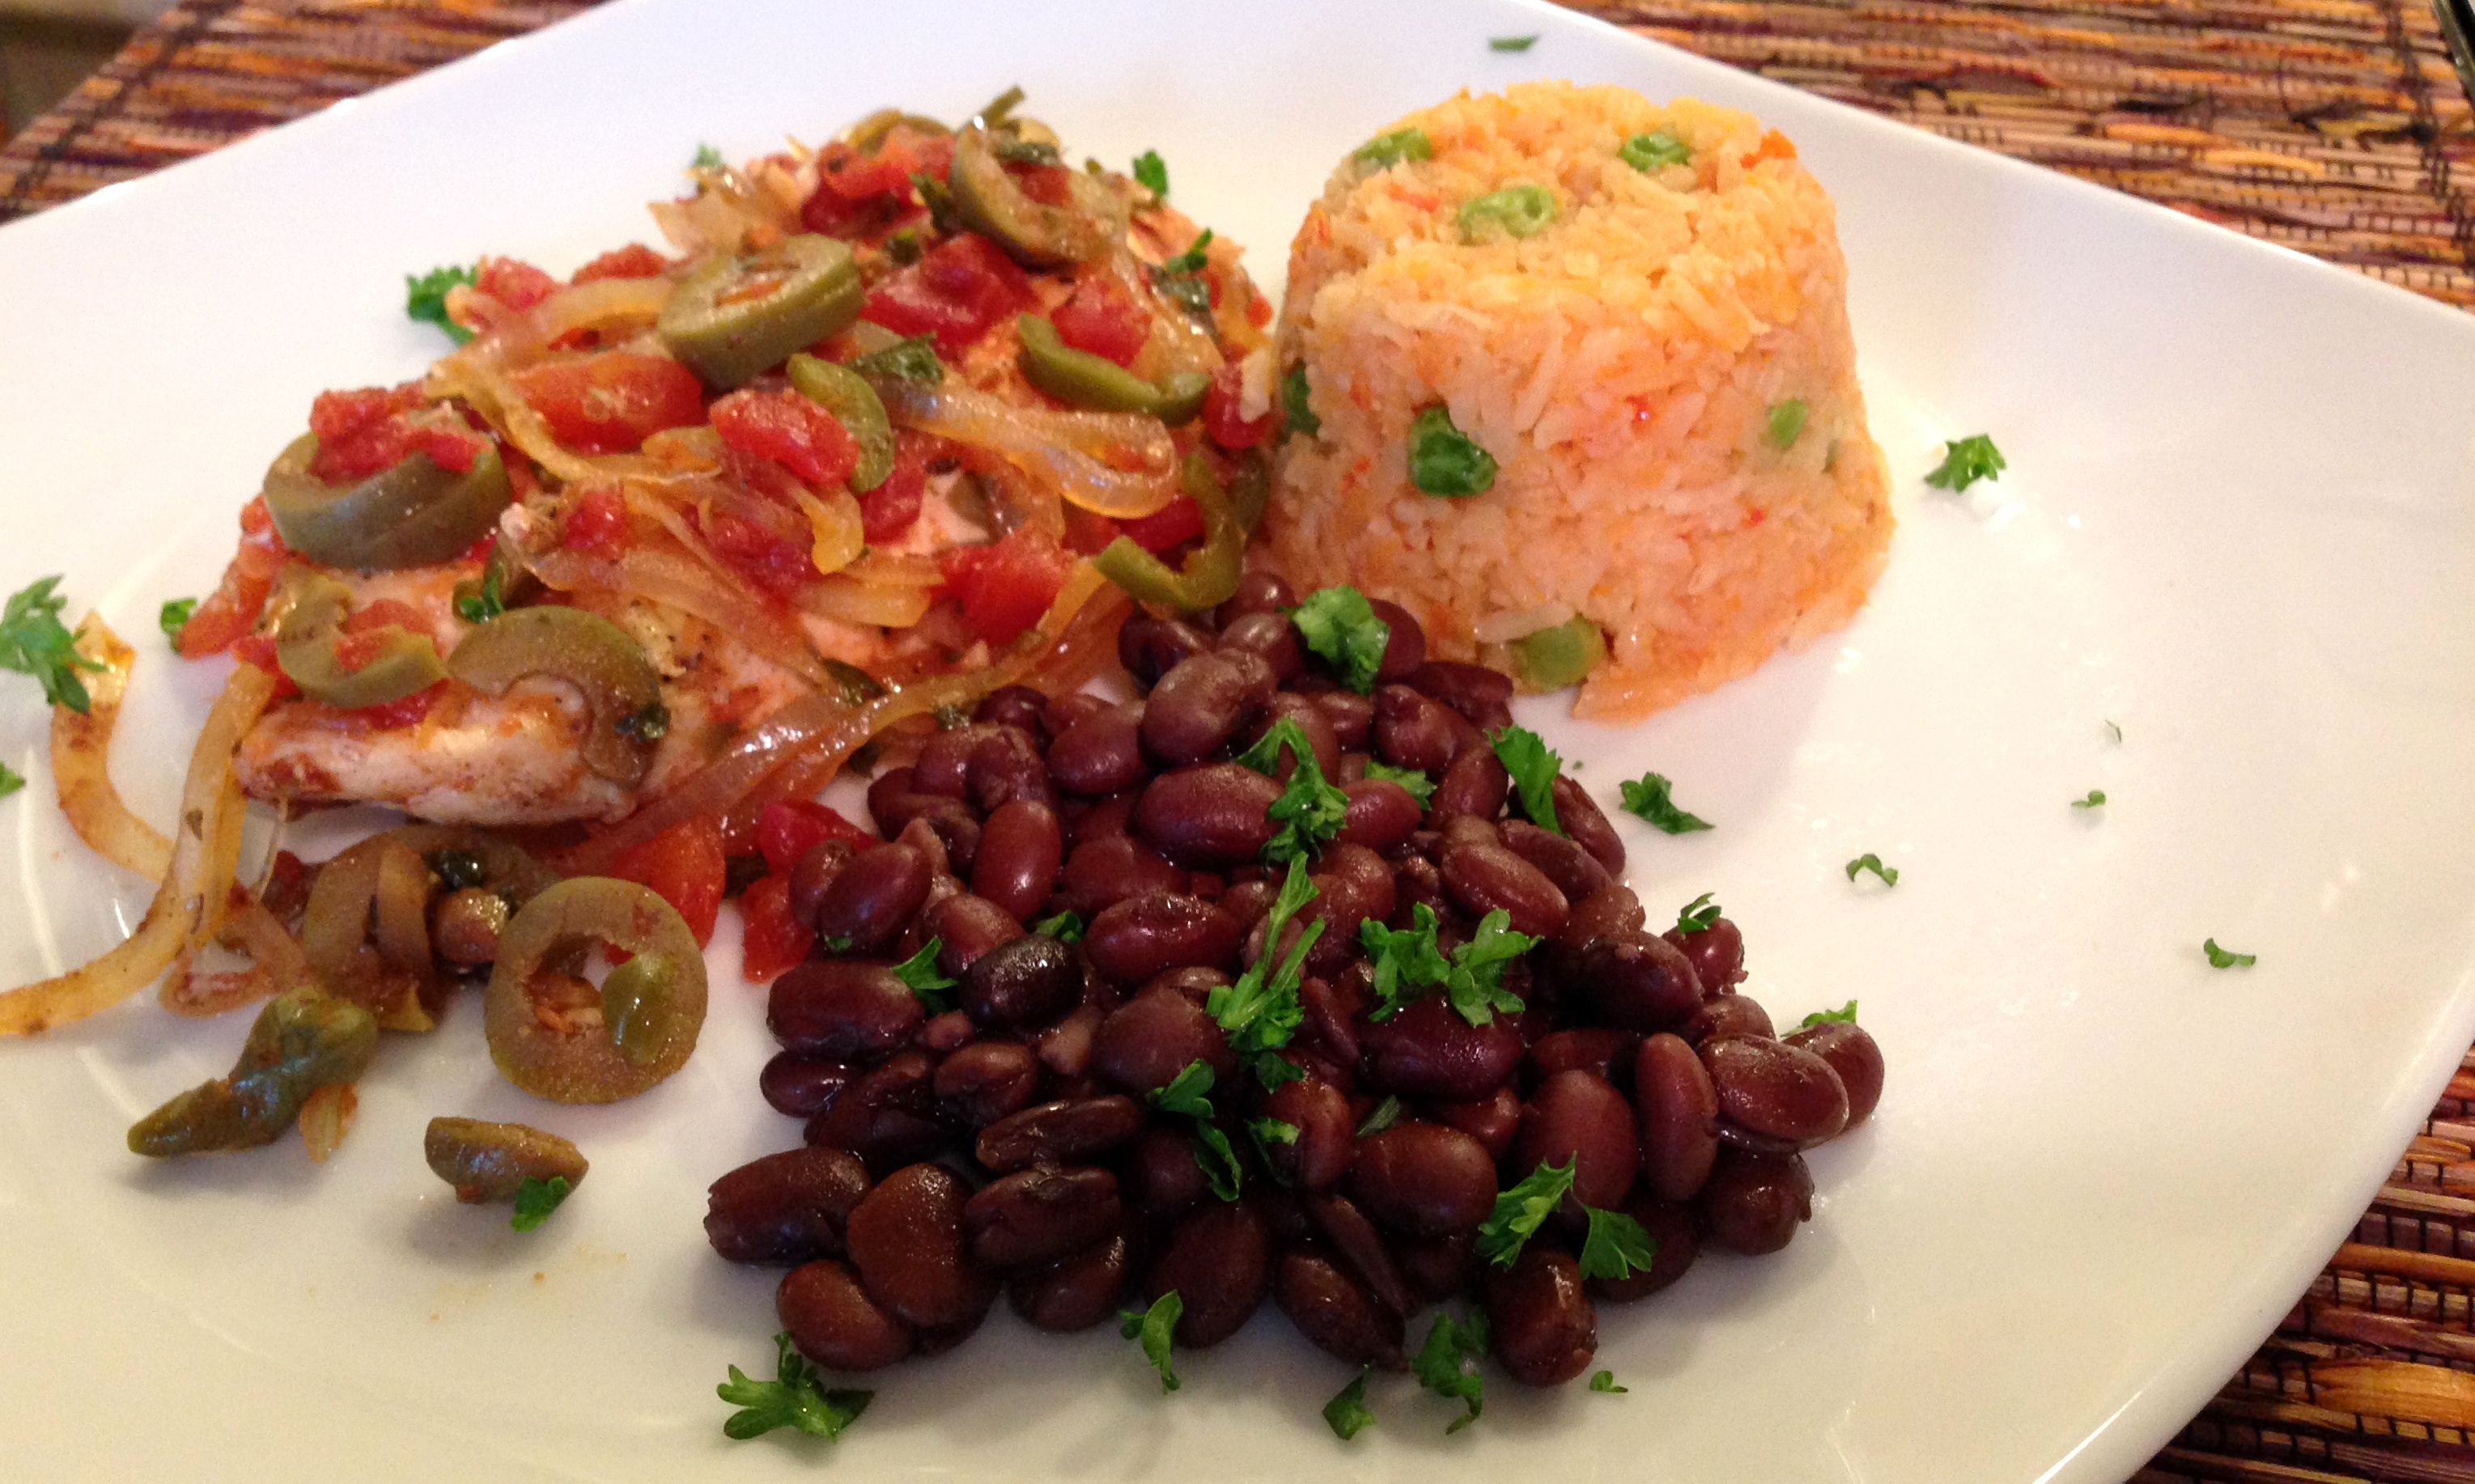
736,315
400,663
304,1040
1553,658
587,1054
589,652
846,394
1088,380
1033,232
1209,575
412,515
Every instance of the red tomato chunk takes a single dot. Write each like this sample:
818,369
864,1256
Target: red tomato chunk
635,261
612,401
955,293
1104,319
790,828
1220,416
791,430
684,865
1005,587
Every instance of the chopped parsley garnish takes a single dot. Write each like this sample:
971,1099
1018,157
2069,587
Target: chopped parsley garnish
1300,416
1520,1211
950,717
1260,1011
1189,1092
1421,786
1648,797
1523,755
1967,460
1341,626
835,942
1408,960
1155,1326
1697,914
795,1400
2220,958
1617,1246
425,299
648,722
478,602
1845,1015
1444,461
1785,424
1152,174
1218,1161
536,1198
914,360
1870,861
1383,1115
1447,1364
1066,927
1192,259
1655,151
1606,1380
1268,1132
174,616
1308,811
11,780
2095,799
1385,151
1346,1413
1185,290
33,643
921,976
1511,43
707,157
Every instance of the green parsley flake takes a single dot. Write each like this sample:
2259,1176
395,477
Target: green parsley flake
480,601
707,157
1617,1246
1421,786
1655,151
1785,424
1385,151
2220,958
1447,1364
1260,1011
33,643
1516,212
1300,416
1647,796
1151,174
174,616
920,975
1533,769
1155,1326
1340,626
11,780
1967,460
1218,1162
1606,1380
1383,1115
1192,259
1870,861
1443,460
425,299
1189,1092
1346,1413
536,1198
1066,927
1697,914
2095,799
795,1400
1408,960
914,360
1520,1211
1511,43
1845,1014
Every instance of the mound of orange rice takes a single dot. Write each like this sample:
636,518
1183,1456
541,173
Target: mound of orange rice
1662,373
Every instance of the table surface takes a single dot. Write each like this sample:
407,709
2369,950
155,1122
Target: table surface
2337,128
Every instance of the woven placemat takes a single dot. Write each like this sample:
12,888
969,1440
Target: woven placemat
2334,126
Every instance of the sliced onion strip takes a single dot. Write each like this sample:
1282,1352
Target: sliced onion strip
82,757
1122,465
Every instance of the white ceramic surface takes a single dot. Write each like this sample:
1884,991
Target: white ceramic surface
2239,523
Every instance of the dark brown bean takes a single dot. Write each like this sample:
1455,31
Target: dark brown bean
1063,1133
787,1208
1361,1251
895,782
1103,753
1006,767
1415,882
987,1080
1271,639
945,759
833,1322
873,896
1676,1241
1145,1042
1634,981
1679,1118
1076,1292
1609,1053
1475,782
1219,1262
1197,707
1493,1121
1247,902
1406,648
800,1083
1352,716
813,873
1483,877
1451,830
1429,1051
1587,824
1423,1178
1289,706
944,1033
464,926
1258,592
1382,814
1143,937
1064,710
1353,884
1774,1088
1576,1116
1207,818
1481,695
1728,1014
906,1238
1855,1056
849,1010
1330,1025
1195,983
1159,1174
1327,1133
1574,871
1542,1326
967,926
1605,914
1151,648
1014,705
1411,731
1752,1204
1437,1267
1039,1215
1335,1313
1114,867
1717,954
1065,1047
1028,982
887,1117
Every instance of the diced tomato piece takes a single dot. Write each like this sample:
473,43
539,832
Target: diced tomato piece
513,282
779,567
889,510
1180,519
790,828
1221,420
611,401
363,431
962,286
1006,586
635,261
1102,318
1087,533
772,940
852,176
595,521
789,429
232,610
396,715
684,863
1051,185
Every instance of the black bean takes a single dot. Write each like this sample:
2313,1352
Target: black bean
1727,1015
1423,1178
1406,649
906,1239
1485,878
1027,981
1774,1088
1429,1051
1210,816
800,1083
1039,1215
834,1322
1352,716
1103,753
1327,1133
873,896
815,872
848,1009
1635,982
1481,695
967,926
888,1117
1475,782
943,765
1219,1262
1288,706
1577,1116
1104,871
1145,1042
1854,1054
1754,1202
1064,1133
1006,767
1199,706
1717,954
1411,731
1335,1313
1680,1117
1076,1292
1587,824
1151,648
1542,1326
1013,705
1143,937
787,1208
1676,1242
1381,814
1494,1121
1270,638
987,1080
1258,592
1574,871
1361,1251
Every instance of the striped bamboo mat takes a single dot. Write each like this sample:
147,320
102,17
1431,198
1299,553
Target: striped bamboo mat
2334,126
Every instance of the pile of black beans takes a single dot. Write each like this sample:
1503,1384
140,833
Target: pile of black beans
1009,1143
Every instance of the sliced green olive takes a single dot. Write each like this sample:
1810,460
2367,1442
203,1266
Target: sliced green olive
1088,380
491,1162
738,314
589,652
1210,575
413,514
305,638
846,394
304,1040
366,932
1035,233
1553,658
661,1007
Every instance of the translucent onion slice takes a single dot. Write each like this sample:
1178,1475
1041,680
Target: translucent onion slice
326,1117
81,756
278,965
836,535
850,600
672,580
1122,465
